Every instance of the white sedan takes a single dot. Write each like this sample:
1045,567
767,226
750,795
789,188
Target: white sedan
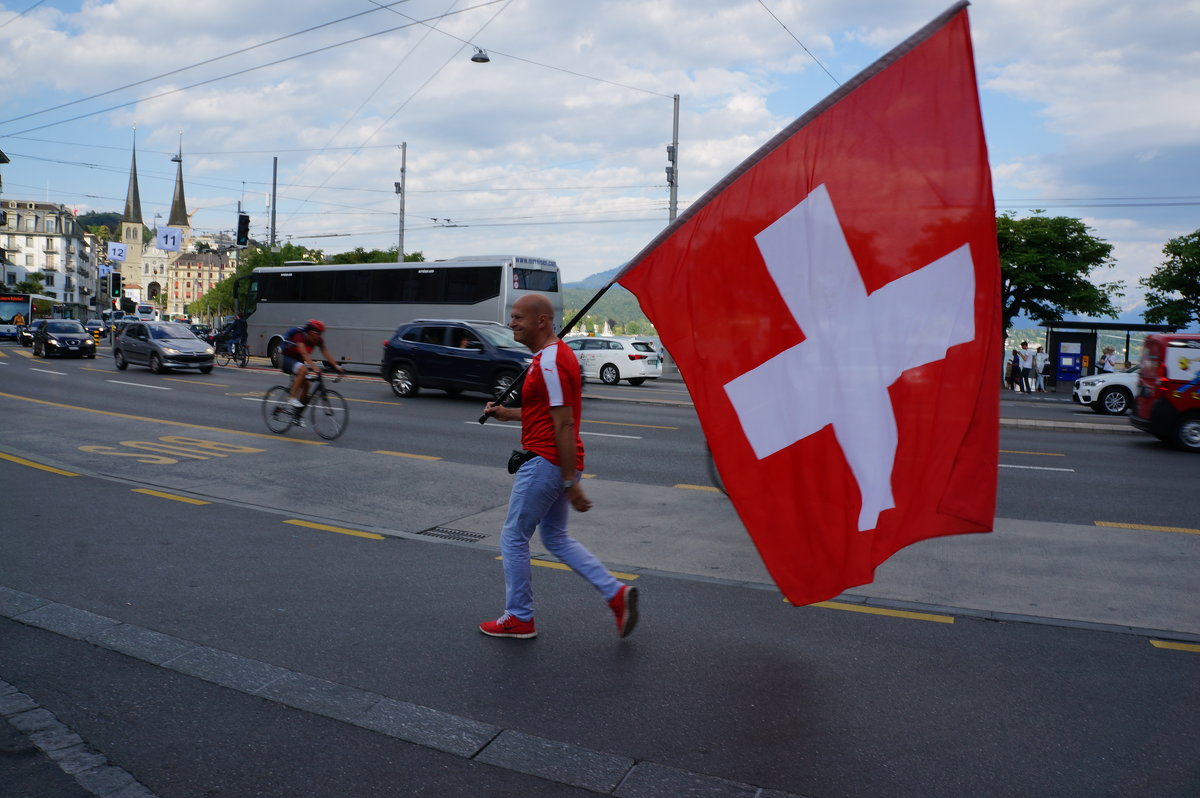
1111,394
616,358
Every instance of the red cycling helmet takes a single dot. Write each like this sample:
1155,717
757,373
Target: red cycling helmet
315,325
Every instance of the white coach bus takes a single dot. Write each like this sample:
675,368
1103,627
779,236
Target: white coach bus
362,304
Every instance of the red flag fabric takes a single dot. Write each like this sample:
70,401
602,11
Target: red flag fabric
833,306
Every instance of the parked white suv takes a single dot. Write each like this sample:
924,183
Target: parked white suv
614,358
1111,394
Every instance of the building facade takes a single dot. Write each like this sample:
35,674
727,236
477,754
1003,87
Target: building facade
45,237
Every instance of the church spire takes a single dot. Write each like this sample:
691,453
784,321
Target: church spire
133,200
179,216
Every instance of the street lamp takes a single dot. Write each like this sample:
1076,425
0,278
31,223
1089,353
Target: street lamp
481,56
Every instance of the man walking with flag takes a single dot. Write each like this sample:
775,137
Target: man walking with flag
548,476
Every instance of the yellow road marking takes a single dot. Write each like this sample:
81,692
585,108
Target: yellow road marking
196,382
1148,527
23,353
685,486
1040,454
31,464
405,454
340,530
558,566
170,496
160,420
626,424
913,616
372,401
1175,646
89,368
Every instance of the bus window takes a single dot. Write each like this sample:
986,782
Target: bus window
535,279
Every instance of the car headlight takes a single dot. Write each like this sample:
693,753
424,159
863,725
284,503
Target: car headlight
208,351
170,350
52,341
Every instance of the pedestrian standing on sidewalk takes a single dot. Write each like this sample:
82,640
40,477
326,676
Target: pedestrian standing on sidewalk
547,480
1025,355
1108,361
1040,359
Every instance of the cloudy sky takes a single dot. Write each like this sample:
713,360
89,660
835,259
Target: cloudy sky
557,146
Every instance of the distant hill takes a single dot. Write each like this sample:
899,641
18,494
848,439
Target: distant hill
598,280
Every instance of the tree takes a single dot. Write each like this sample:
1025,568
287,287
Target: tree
219,299
361,255
1046,265
1174,288
32,284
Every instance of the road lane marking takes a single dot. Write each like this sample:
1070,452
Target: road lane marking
627,424
22,461
194,382
562,566
340,530
171,496
141,385
594,434
914,616
48,371
373,402
1038,468
1149,527
90,368
1040,454
1171,644
685,486
161,420
406,454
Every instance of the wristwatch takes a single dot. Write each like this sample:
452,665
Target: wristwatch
568,484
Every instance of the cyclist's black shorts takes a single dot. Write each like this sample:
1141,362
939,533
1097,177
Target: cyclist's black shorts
288,364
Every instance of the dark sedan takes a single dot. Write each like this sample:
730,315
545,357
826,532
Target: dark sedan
25,336
161,345
63,337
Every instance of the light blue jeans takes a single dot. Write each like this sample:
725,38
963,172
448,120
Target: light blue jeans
538,499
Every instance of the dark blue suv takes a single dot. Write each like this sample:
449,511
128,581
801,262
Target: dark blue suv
454,356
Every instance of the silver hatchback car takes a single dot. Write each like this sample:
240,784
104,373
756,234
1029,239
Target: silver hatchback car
161,345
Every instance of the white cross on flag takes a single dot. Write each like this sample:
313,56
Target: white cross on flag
833,305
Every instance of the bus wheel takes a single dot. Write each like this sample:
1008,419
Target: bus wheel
273,351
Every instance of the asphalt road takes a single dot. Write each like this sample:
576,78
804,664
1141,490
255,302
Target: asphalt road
723,690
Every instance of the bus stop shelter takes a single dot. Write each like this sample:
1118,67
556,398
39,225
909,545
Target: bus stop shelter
1074,345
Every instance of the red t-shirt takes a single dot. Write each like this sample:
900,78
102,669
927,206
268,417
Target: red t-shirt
553,380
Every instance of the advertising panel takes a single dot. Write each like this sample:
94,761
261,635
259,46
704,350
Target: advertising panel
15,309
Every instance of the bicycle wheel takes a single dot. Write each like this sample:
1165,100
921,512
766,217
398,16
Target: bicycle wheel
242,356
328,413
276,411
221,356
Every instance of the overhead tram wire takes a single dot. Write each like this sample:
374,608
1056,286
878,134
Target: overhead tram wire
23,13
244,71
333,136
802,47
410,97
205,62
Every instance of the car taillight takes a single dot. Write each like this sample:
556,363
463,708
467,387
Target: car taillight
638,357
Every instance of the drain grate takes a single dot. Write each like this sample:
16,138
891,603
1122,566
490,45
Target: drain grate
445,533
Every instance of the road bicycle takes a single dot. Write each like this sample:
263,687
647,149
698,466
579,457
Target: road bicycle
240,354
326,409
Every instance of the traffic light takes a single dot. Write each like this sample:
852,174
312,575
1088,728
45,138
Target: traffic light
243,231
114,284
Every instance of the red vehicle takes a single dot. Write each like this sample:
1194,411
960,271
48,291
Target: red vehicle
1168,401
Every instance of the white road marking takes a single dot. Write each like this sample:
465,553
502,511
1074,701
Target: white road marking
48,371
1039,468
141,385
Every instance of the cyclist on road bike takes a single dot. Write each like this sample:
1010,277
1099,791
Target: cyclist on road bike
235,333
295,357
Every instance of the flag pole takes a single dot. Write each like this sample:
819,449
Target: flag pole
565,329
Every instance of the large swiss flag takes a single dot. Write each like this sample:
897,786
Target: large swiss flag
833,305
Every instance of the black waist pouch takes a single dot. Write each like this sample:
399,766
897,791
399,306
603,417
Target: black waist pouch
519,459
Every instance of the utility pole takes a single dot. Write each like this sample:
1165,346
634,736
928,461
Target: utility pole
274,180
673,158
400,194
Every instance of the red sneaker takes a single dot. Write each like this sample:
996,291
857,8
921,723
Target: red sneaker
508,626
624,606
